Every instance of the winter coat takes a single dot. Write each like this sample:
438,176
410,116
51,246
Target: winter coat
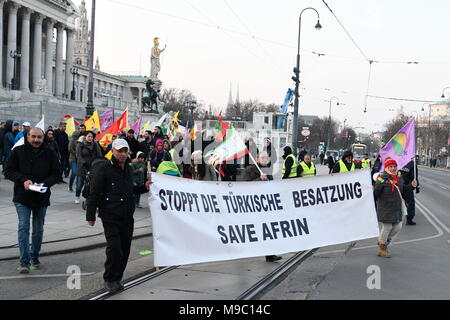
134,146
251,173
54,146
389,206
210,173
62,139
73,147
144,146
38,165
8,142
156,158
86,153
111,191
139,175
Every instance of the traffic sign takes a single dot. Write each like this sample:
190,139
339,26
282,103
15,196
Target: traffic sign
306,133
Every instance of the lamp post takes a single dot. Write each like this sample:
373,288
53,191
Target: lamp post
192,105
90,102
329,122
15,55
296,79
443,92
74,72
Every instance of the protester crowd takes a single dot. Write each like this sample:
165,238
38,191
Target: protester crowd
113,187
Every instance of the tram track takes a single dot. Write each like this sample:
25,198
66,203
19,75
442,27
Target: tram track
253,293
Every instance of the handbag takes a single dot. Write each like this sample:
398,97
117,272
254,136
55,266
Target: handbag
404,209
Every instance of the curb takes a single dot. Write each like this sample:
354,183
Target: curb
99,243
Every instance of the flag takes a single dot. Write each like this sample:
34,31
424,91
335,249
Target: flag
232,148
109,155
105,138
68,116
402,146
106,119
93,122
137,126
70,126
221,127
145,127
287,100
41,124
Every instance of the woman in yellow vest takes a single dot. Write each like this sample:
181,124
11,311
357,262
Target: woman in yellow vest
306,168
345,164
289,165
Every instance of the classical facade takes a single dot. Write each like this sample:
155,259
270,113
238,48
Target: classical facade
44,62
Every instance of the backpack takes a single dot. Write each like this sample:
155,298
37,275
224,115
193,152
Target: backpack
97,163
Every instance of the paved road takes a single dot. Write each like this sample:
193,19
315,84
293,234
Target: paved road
419,268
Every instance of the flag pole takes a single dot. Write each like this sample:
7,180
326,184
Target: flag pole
251,157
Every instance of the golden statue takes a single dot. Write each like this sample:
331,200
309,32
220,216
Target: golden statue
154,60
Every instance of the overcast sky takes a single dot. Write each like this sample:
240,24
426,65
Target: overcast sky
253,43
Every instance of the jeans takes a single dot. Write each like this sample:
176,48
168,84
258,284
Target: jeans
80,184
24,214
73,173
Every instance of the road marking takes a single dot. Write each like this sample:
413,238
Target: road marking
439,234
443,187
47,276
431,214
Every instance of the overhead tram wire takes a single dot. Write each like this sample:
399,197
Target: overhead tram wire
222,29
215,26
253,36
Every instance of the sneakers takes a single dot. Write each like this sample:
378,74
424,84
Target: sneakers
35,264
273,258
77,200
23,269
112,286
70,189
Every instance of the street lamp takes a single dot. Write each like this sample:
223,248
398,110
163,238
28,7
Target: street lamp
329,122
15,55
90,102
192,105
296,79
443,92
74,72
429,127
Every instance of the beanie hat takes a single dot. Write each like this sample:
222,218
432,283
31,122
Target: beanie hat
389,161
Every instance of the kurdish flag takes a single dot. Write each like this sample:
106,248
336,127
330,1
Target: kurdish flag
105,138
93,122
402,146
232,148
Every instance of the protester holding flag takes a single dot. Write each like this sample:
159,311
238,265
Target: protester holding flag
389,189
253,173
409,173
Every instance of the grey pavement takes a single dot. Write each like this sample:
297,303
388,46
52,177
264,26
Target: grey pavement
65,227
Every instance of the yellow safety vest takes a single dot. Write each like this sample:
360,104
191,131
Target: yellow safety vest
365,163
293,172
308,172
343,167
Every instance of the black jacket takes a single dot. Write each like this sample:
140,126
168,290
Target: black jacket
288,163
111,191
144,146
39,166
134,146
62,139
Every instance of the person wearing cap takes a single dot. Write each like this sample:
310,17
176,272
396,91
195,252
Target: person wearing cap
111,191
23,133
389,190
345,164
8,141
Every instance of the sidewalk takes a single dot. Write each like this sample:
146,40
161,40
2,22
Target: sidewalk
65,229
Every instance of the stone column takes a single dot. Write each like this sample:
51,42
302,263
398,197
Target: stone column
59,84
69,61
25,48
12,41
37,52
49,56
2,2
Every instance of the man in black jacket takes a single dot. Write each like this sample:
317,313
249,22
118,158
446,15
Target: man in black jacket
133,143
112,192
409,173
29,164
62,139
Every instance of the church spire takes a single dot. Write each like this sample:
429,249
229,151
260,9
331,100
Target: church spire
230,98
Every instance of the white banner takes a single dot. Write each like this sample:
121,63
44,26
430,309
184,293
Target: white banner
196,221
